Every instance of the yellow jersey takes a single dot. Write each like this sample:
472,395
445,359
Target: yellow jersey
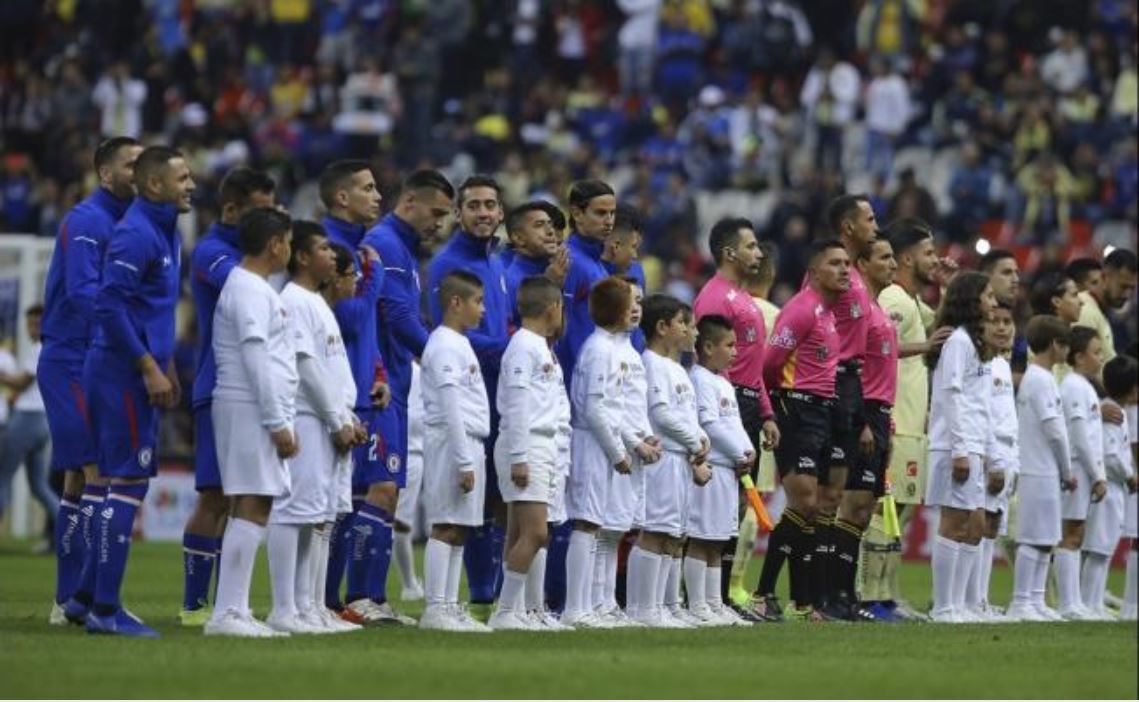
911,318
1092,317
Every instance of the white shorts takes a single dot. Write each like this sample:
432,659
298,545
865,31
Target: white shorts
1130,510
626,504
541,460
713,509
409,496
1074,503
666,494
310,473
1104,526
443,499
247,458
340,487
1038,510
587,490
556,509
942,491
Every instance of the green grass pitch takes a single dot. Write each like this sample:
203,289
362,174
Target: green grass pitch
783,661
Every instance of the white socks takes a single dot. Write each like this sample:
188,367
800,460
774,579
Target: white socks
967,557
535,596
282,542
404,559
579,571
1040,580
712,583
303,592
1130,590
1093,580
436,564
944,562
1024,574
454,573
984,572
664,569
672,591
604,587
1067,564
238,554
641,583
695,581
510,598
322,536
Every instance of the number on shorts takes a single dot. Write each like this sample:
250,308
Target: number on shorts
374,448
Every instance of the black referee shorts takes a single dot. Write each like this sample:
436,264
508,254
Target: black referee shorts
752,419
805,434
868,471
849,415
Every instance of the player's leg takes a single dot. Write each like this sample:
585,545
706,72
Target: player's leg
526,535
1025,568
641,585
696,560
436,567
68,540
977,599
741,559
580,559
482,555
90,521
1101,537
968,562
1130,607
1067,565
406,507
953,527
244,532
201,539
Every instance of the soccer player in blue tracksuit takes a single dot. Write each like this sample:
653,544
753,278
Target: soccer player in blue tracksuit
593,207
364,539
535,232
424,203
69,306
130,373
471,249
241,190
622,249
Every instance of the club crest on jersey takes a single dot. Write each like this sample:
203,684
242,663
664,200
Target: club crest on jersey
855,311
822,353
749,335
885,348
145,456
393,463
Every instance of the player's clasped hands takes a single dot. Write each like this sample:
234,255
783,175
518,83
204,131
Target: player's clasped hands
960,470
1099,490
996,482
520,475
701,473
623,466
648,452
344,439
467,480
744,466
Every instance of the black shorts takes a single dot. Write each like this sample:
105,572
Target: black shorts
868,472
752,419
805,434
849,415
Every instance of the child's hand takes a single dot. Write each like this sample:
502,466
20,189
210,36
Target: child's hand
996,482
648,453
344,438
623,466
361,432
771,436
1068,483
466,480
1133,483
1110,413
701,473
960,470
1099,489
520,475
285,443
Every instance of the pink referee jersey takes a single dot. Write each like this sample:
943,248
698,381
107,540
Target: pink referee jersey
851,316
880,369
802,353
721,296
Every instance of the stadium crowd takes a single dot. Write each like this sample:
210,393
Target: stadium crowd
1019,120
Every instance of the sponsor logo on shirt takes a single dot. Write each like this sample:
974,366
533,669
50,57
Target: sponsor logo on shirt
784,339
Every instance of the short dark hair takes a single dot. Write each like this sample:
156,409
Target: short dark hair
627,219
478,180
460,284
152,161
109,148
1120,259
1120,375
1048,286
726,234
429,178
609,301
906,233
536,294
583,191
1080,268
1078,341
258,227
658,308
819,246
34,310
239,184
306,235
710,330
515,216
345,261
990,260
1045,329
842,207
770,262
335,175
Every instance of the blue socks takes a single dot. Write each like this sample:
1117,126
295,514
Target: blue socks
556,566
339,546
482,557
91,527
371,553
199,553
114,544
70,550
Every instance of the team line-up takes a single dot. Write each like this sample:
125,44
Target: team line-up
551,408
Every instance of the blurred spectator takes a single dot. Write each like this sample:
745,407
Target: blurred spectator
680,64
887,114
889,29
1046,189
290,24
120,97
970,190
1066,67
913,200
17,195
830,95
706,139
637,40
